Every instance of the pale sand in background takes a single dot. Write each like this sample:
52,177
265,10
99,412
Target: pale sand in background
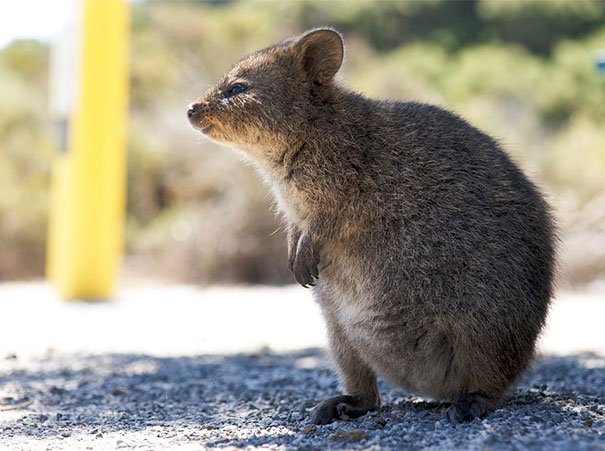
176,320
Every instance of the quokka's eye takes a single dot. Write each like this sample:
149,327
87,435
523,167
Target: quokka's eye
235,90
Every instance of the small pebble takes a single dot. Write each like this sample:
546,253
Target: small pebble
379,420
354,435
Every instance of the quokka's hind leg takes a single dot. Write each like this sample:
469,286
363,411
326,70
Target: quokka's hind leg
358,379
470,406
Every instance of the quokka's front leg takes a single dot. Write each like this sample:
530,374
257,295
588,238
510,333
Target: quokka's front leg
293,237
358,380
303,256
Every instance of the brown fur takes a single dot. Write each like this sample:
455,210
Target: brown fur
431,253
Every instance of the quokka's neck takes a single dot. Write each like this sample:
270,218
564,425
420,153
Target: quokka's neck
320,164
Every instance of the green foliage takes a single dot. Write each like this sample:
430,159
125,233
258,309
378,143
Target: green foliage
540,25
27,59
537,25
26,144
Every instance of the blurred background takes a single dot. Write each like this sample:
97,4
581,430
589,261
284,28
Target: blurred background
523,71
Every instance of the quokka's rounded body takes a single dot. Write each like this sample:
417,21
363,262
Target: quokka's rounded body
442,276
431,253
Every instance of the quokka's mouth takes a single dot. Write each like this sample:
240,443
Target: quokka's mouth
206,128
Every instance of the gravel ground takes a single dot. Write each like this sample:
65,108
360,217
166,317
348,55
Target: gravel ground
120,391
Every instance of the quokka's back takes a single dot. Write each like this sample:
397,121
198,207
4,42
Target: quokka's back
431,254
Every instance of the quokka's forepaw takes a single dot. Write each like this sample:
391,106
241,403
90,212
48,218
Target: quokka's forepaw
306,272
305,263
339,408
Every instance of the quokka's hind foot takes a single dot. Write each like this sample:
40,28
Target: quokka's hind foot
470,406
342,407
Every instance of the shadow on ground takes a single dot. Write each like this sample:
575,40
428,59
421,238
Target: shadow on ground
263,399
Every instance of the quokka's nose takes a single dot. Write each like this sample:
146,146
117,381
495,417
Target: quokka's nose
193,110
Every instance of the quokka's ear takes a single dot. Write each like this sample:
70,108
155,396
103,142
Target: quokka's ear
321,52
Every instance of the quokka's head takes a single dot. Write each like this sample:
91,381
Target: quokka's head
269,96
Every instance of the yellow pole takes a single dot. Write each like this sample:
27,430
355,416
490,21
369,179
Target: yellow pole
89,180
